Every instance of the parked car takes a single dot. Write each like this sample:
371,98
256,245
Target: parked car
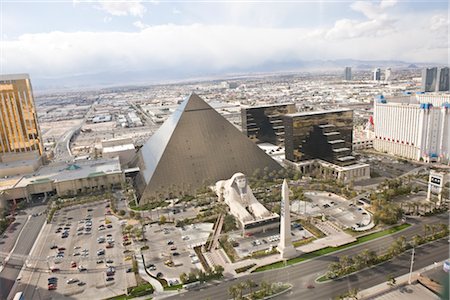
72,280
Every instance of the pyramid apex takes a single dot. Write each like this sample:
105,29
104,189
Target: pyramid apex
194,102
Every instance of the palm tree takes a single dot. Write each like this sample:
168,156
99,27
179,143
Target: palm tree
241,286
353,294
368,256
234,292
250,284
266,288
416,240
345,261
426,229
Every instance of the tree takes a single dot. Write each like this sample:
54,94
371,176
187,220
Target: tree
368,256
426,229
266,288
162,219
345,261
184,277
352,294
398,246
234,292
132,214
391,281
229,223
335,269
417,240
218,270
121,212
250,284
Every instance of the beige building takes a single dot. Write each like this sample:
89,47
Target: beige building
121,148
20,136
327,170
65,179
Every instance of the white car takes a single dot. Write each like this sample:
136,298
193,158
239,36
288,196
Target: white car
72,280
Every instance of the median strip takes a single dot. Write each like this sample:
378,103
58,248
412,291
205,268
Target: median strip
328,250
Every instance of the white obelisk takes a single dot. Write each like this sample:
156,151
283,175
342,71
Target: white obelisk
285,246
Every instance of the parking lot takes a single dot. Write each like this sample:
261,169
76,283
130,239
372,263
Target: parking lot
265,240
76,251
171,249
334,207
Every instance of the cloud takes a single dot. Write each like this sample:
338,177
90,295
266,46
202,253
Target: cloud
439,22
387,3
378,21
209,49
133,8
140,25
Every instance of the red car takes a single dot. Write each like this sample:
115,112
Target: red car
51,287
62,249
73,264
110,246
54,269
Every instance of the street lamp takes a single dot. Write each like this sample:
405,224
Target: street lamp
411,267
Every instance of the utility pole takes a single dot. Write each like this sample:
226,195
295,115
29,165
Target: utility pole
411,267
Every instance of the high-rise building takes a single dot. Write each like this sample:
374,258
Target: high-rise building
264,124
415,126
429,79
348,73
387,74
19,128
194,147
377,74
325,135
442,79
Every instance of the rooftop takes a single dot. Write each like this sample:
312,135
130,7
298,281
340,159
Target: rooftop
318,112
72,171
14,77
118,148
268,105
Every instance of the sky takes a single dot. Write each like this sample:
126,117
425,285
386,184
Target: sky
53,39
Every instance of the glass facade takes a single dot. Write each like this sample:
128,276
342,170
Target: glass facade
325,135
19,130
264,124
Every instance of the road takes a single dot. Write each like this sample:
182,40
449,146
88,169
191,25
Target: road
62,148
11,270
301,275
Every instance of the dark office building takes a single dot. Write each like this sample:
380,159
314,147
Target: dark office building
429,79
442,79
325,135
264,124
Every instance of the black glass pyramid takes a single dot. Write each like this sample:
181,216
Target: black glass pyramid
194,147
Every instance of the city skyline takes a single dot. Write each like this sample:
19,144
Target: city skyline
110,41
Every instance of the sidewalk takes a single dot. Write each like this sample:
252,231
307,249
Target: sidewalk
401,280
155,283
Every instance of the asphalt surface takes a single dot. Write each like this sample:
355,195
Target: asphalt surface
304,274
62,146
24,244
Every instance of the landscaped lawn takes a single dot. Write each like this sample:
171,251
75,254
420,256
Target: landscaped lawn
328,250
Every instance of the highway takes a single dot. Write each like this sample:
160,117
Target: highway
304,274
62,148
25,242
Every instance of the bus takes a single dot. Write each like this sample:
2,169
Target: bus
19,296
